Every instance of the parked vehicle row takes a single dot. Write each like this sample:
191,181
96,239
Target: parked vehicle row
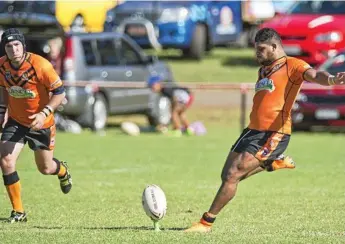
192,26
310,30
100,59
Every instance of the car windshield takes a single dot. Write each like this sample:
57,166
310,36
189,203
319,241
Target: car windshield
318,7
335,64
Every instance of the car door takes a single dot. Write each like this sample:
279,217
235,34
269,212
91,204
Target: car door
136,73
108,72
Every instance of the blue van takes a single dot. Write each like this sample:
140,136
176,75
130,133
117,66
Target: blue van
192,26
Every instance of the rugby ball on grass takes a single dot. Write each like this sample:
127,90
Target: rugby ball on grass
154,202
130,128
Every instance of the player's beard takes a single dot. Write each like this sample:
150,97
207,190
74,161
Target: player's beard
267,61
264,62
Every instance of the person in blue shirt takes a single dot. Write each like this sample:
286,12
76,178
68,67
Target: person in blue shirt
181,99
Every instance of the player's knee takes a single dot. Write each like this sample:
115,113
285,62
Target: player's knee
7,162
225,176
45,170
231,175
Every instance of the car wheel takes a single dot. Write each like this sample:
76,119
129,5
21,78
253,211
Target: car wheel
198,46
160,114
99,113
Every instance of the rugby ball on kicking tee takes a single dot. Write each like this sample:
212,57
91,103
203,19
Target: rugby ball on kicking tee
154,202
130,128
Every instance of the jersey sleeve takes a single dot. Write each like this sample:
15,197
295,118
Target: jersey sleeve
49,77
297,69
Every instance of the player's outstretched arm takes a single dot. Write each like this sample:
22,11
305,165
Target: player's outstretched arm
324,78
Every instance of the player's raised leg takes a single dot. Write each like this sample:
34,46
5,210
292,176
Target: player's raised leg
9,155
48,165
253,172
237,167
42,142
282,162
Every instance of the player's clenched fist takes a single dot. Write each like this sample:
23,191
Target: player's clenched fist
38,121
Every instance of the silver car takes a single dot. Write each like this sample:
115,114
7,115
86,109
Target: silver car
97,68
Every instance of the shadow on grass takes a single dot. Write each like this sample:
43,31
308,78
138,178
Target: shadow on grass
3,219
143,129
225,59
179,58
132,228
226,56
240,61
108,228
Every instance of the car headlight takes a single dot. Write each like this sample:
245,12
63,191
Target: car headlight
301,98
173,15
333,36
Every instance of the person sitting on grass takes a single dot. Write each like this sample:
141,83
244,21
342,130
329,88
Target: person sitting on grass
181,98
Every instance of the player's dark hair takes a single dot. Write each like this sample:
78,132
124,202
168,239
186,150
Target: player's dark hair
266,35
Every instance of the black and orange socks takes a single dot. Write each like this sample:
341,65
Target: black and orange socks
13,187
207,219
60,169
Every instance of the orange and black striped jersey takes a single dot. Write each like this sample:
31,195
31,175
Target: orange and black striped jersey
28,87
275,93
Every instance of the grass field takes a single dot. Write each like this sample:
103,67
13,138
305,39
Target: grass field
223,65
305,205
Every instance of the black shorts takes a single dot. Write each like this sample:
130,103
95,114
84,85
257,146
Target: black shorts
41,139
264,145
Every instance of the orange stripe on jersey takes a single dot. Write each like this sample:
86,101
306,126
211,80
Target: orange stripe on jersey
26,76
7,76
269,147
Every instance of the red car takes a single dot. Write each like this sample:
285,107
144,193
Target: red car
321,106
311,30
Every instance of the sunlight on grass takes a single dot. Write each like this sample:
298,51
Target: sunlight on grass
109,172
